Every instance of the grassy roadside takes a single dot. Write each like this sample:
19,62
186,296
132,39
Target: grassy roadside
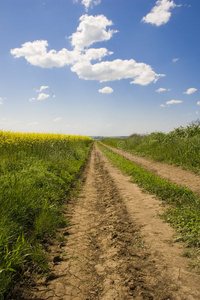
184,211
180,147
36,174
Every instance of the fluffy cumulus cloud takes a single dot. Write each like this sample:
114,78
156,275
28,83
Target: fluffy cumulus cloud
160,13
140,73
106,90
91,29
90,3
93,54
190,91
160,90
41,96
198,103
37,55
173,102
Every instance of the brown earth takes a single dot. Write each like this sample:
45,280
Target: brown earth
117,248
169,172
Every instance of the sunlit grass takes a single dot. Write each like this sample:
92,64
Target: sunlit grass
180,147
36,173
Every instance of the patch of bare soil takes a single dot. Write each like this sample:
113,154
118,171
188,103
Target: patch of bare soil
117,248
169,172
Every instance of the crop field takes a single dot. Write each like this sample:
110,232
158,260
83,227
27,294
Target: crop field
36,173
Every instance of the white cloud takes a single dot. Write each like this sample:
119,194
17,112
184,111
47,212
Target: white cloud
57,119
198,103
43,87
175,59
190,91
141,73
106,90
36,54
94,54
41,96
91,29
160,13
162,105
160,90
173,102
31,52
90,3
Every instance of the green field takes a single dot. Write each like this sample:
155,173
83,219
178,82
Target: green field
180,147
36,174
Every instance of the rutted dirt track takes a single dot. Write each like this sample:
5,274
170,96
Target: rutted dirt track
117,248
169,172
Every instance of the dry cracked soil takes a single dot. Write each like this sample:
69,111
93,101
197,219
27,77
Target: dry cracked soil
116,248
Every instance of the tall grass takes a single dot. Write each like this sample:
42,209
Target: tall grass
36,173
180,147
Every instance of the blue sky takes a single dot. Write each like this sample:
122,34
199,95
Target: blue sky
99,67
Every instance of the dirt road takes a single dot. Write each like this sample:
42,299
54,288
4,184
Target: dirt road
169,172
117,248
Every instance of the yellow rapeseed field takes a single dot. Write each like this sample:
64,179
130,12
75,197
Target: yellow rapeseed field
17,138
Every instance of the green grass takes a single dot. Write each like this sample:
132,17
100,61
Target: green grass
181,147
35,179
184,211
